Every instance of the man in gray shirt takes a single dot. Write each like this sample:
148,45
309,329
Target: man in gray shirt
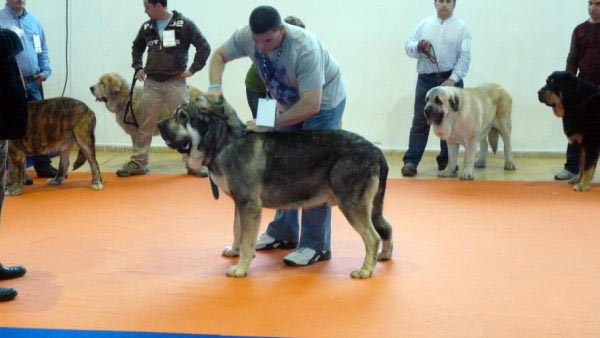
307,84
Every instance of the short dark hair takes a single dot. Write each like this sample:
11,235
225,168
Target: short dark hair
263,19
154,2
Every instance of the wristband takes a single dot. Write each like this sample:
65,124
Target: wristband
214,85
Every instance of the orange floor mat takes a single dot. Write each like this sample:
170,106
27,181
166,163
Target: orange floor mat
494,259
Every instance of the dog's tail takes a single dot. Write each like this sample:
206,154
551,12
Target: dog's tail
493,139
79,161
383,228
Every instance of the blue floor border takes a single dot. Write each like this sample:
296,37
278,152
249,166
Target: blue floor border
9,332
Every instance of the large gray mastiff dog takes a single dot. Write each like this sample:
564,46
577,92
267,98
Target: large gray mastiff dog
467,117
285,171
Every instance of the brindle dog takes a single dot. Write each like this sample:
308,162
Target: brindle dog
285,171
55,125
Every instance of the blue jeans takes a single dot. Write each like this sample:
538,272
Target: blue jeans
35,93
316,221
419,132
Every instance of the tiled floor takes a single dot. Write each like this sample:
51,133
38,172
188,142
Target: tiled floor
529,167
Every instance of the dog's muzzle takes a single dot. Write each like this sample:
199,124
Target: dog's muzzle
542,96
433,114
182,145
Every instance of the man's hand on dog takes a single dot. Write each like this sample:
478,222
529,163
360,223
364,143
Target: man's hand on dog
251,126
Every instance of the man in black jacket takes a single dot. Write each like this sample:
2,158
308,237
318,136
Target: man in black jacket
167,37
13,123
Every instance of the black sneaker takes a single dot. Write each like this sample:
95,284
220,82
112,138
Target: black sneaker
409,170
27,180
7,294
46,172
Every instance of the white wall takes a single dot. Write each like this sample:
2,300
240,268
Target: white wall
516,44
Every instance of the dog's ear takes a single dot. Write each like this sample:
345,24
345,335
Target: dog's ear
454,102
113,84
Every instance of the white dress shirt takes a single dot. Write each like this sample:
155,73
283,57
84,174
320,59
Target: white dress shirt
451,40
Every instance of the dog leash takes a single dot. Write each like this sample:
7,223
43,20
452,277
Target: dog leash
433,59
129,107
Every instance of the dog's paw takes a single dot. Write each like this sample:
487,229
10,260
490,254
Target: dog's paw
480,164
230,252
97,186
509,166
13,191
384,256
581,187
236,271
55,181
362,273
466,176
447,173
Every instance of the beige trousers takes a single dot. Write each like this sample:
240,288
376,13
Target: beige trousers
156,96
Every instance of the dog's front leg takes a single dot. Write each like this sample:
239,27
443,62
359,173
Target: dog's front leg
234,249
469,162
450,170
16,162
249,212
587,170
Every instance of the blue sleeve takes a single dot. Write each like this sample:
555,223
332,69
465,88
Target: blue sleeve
43,57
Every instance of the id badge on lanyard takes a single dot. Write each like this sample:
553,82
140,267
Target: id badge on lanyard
265,114
37,44
169,38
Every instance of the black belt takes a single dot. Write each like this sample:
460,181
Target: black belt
442,74
29,78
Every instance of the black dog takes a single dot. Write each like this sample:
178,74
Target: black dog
577,102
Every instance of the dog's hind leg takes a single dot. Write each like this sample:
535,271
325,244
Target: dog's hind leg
249,213
234,249
382,226
87,145
63,168
357,210
505,133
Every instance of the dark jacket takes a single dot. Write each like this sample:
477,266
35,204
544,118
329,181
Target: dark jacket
13,104
163,63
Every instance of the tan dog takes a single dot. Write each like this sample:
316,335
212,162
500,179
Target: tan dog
113,90
470,116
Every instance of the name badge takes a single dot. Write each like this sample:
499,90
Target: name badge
169,39
265,114
37,44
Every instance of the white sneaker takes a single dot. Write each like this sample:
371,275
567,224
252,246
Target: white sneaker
306,256
266,242
564,175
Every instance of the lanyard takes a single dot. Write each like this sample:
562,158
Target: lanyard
268,77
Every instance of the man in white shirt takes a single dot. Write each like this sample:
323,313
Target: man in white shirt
442,45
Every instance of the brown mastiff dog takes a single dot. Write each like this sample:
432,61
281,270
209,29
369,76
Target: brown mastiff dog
55,125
